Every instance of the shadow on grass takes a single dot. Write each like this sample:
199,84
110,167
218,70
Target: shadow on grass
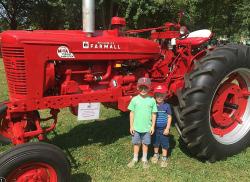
81,177
104,132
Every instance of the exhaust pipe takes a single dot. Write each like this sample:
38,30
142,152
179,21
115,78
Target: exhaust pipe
88,16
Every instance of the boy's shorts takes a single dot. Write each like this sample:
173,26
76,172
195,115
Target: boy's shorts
160,139
138,138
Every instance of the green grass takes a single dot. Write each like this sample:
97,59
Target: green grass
100,150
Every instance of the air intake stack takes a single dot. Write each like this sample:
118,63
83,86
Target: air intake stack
88,16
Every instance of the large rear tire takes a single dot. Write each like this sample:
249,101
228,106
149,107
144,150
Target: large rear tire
214,112
37,161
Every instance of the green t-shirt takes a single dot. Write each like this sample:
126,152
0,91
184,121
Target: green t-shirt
142,107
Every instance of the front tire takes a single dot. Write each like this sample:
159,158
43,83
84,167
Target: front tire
215,104
37,161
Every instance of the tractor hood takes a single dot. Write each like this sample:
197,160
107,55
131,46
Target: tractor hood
75,44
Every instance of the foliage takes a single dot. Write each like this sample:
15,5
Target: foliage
224,17
243,18
146,13
50,13
13,13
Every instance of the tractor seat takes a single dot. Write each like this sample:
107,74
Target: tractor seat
196,38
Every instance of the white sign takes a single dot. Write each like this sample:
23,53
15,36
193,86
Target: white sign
88,111
63,52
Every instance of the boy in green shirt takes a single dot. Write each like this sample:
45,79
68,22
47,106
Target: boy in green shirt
142,120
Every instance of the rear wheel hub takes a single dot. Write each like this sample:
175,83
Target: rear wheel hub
230,105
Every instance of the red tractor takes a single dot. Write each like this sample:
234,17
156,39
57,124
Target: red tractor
209,87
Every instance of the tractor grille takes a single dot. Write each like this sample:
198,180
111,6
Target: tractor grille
13,52
15,69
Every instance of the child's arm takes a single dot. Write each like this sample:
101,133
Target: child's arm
131,120
166,131
152,129
154,111
131,107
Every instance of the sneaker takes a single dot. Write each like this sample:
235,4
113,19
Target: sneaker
154,159
164,163
145,165
132,163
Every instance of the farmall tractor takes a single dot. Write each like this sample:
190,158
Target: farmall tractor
209,87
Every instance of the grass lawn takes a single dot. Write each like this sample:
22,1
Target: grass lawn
100,150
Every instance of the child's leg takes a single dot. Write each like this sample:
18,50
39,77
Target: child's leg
164,161
144,152
146,140
165,146
136,141
135,159
136,152
164,152
156,155
156,143
156,150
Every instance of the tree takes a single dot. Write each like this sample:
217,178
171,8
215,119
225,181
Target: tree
104,10
219,16
224,17
243,18
14,12
47,14
148,13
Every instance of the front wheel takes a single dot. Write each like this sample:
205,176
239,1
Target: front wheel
35,162
215,104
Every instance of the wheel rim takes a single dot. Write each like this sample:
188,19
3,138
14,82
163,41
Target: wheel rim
230,109
33,172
